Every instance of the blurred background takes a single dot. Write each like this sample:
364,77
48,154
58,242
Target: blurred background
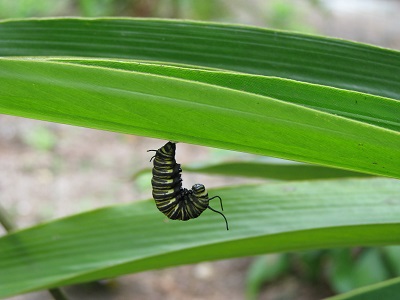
51,170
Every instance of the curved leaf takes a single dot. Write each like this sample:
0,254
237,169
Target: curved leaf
263,218
193,112
320,60
379,111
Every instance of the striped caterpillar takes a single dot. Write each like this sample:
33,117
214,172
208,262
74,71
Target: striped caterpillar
171,199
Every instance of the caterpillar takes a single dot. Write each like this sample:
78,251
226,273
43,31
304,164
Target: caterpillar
171,199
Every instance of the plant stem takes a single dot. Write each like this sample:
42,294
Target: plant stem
5,221
57,294
9,226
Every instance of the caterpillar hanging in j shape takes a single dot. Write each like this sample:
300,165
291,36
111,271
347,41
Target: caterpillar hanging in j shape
171,199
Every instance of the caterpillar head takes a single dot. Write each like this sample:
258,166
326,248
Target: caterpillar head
199,191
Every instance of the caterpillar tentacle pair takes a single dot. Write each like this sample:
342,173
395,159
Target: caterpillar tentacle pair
171,199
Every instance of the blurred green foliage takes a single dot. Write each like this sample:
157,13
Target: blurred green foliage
31,8
199,10
40,138
342,270
281,14
264,269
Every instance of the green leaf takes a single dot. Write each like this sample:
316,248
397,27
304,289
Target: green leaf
187,111
280,171
342,112
320,60
387,290
349,273
340,271
263,218
309,265
391,256
264,269
379,111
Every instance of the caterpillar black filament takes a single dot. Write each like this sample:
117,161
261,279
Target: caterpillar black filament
171,199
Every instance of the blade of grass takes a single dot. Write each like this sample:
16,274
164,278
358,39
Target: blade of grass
320,60
388,290
379,111
263,218
193,112
266,170
9,226
273,171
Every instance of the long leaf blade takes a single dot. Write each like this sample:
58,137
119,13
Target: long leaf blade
379,111
263,218
319,60
193,112
273,171
388,290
